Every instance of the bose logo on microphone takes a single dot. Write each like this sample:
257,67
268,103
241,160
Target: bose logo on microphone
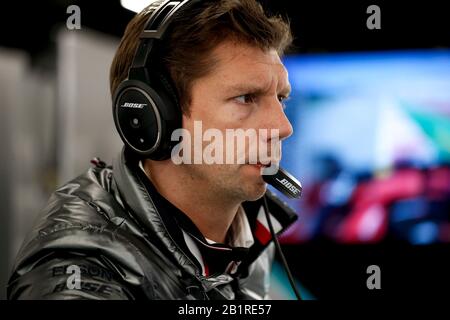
133,105
288,185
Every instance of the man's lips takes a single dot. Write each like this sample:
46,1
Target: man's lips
259,165
265,169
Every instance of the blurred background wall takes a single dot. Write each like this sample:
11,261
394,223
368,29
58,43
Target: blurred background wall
84,118
53,122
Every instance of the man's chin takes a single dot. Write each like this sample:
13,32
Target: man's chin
252,184
255,191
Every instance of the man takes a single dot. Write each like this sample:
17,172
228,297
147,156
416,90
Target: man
148,229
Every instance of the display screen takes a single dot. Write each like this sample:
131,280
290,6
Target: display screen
371,145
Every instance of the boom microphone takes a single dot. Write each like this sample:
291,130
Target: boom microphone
291,187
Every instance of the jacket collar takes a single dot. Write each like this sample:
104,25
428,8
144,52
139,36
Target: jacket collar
133,189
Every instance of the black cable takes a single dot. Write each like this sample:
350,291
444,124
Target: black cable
277,246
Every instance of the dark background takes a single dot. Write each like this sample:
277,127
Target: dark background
318,26
328,270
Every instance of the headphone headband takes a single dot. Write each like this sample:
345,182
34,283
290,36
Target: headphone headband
162,17
154,31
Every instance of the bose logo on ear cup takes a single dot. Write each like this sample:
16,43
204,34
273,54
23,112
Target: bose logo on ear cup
133,105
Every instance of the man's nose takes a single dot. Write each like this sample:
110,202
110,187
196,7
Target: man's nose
278,120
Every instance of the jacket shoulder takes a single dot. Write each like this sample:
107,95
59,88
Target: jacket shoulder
85,224
80,218
84,201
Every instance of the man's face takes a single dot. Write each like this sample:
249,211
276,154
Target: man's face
243,91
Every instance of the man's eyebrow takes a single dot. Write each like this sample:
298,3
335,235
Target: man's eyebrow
255,89
246,88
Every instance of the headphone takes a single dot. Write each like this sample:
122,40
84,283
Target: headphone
146,108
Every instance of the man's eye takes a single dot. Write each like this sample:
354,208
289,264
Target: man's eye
283,100
246,98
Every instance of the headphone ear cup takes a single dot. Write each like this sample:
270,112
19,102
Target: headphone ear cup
145,119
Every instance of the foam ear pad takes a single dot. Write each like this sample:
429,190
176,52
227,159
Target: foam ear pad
145,118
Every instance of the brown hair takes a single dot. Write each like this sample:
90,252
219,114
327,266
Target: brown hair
186,51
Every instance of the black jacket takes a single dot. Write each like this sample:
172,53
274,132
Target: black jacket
106,224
